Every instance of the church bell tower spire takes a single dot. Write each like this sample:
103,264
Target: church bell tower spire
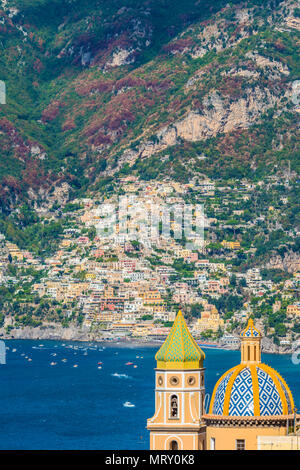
179,392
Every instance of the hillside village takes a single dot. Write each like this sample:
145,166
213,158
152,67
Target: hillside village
124,103
117,288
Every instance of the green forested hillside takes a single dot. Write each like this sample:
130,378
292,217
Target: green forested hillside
96,89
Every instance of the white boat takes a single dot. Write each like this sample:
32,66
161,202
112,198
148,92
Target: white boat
127,404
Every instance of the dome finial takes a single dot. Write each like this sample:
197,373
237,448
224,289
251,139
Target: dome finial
250,330
250,347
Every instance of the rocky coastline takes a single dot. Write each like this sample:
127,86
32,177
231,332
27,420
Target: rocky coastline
85,334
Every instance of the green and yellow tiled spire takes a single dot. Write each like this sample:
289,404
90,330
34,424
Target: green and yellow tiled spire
180,350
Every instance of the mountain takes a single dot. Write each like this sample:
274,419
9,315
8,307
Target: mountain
98,89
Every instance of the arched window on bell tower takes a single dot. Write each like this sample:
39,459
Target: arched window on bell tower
173,445
174,407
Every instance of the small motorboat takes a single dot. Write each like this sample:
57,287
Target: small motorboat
127,404
129,364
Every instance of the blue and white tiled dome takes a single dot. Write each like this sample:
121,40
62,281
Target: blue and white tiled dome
251,388
254,390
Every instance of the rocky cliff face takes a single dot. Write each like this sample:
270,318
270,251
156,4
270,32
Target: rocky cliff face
218,115
290,262
53,332
93,88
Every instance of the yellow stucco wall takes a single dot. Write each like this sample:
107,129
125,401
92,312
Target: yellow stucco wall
226,436
186,441
278,443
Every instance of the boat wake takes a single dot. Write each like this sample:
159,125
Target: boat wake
121,376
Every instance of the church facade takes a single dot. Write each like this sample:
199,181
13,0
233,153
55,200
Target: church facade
249,401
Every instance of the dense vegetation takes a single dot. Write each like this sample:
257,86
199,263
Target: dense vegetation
65,97
88,81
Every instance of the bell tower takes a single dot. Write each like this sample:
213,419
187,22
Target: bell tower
250,344
179,393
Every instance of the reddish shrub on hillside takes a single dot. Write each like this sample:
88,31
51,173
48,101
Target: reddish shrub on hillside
100,86
129,82
231,86
38,66
100,139
14,140
6,126
160,86
279,45
52,111
93,127
68,125
12,183
33,175
179,46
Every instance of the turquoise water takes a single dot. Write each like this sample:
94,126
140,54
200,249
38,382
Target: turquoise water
66,407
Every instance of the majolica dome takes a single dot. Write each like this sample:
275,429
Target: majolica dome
251,388
254,390
180,350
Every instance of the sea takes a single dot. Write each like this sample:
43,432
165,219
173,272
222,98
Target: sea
68,395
